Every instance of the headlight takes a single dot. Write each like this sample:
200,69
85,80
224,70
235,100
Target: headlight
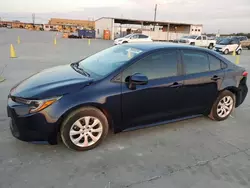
38,105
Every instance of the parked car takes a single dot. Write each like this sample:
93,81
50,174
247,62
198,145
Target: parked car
9,26
138,85
133,38
245,44
229,45
240,38
197,40
74,36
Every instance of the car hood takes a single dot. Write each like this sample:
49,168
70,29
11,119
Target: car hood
51,82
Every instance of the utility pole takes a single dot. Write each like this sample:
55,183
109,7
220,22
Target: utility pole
155,15
33,18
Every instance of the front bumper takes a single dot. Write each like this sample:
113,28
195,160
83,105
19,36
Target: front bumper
31,127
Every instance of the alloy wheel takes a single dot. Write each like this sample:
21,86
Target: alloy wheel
225,106
86,131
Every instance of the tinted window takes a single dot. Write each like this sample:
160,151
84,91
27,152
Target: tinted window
143,36
234,42
135,37
195,62
215,63
157,65
199,38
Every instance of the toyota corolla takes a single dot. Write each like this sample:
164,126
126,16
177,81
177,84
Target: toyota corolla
122,88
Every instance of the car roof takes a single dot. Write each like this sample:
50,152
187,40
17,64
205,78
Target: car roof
149,46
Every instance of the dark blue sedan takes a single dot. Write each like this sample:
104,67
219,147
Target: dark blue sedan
123,88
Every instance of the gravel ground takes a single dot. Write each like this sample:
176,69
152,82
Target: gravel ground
188,154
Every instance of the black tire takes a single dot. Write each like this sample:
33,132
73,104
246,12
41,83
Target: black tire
192,43
210,46
226,52
73,117
248,47
213,113
124,42
239,52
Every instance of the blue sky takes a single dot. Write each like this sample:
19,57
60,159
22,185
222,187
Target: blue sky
224,15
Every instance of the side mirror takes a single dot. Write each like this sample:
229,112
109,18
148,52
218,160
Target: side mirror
137,79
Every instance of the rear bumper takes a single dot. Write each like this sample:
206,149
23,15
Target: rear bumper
241,95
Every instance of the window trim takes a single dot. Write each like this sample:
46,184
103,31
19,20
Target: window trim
179,68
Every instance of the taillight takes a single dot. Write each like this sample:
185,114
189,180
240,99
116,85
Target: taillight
245,73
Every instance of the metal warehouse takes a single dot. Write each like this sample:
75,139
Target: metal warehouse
157,30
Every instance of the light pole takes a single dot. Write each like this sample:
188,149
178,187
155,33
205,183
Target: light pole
155,15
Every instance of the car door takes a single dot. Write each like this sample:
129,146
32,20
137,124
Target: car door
143,38
159,99
203,77
204,41
198,41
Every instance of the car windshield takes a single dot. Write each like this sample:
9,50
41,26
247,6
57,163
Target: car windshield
191,37
106,61
127,36
225,41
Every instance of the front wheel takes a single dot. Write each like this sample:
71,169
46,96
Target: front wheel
226,51
223,106
238,52
84,129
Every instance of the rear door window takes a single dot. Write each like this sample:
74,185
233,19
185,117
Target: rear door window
195,62
143,36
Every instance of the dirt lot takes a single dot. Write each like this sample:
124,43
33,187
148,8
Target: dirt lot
197,153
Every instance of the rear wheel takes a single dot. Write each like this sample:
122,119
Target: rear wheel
84,129
124,42
223,106
226,52
210,46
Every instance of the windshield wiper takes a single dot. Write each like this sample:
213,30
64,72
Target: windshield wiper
76,67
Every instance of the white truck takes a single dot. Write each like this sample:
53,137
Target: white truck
197,40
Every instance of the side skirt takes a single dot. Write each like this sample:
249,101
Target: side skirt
162,123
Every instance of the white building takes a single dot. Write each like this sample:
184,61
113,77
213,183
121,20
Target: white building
119,27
